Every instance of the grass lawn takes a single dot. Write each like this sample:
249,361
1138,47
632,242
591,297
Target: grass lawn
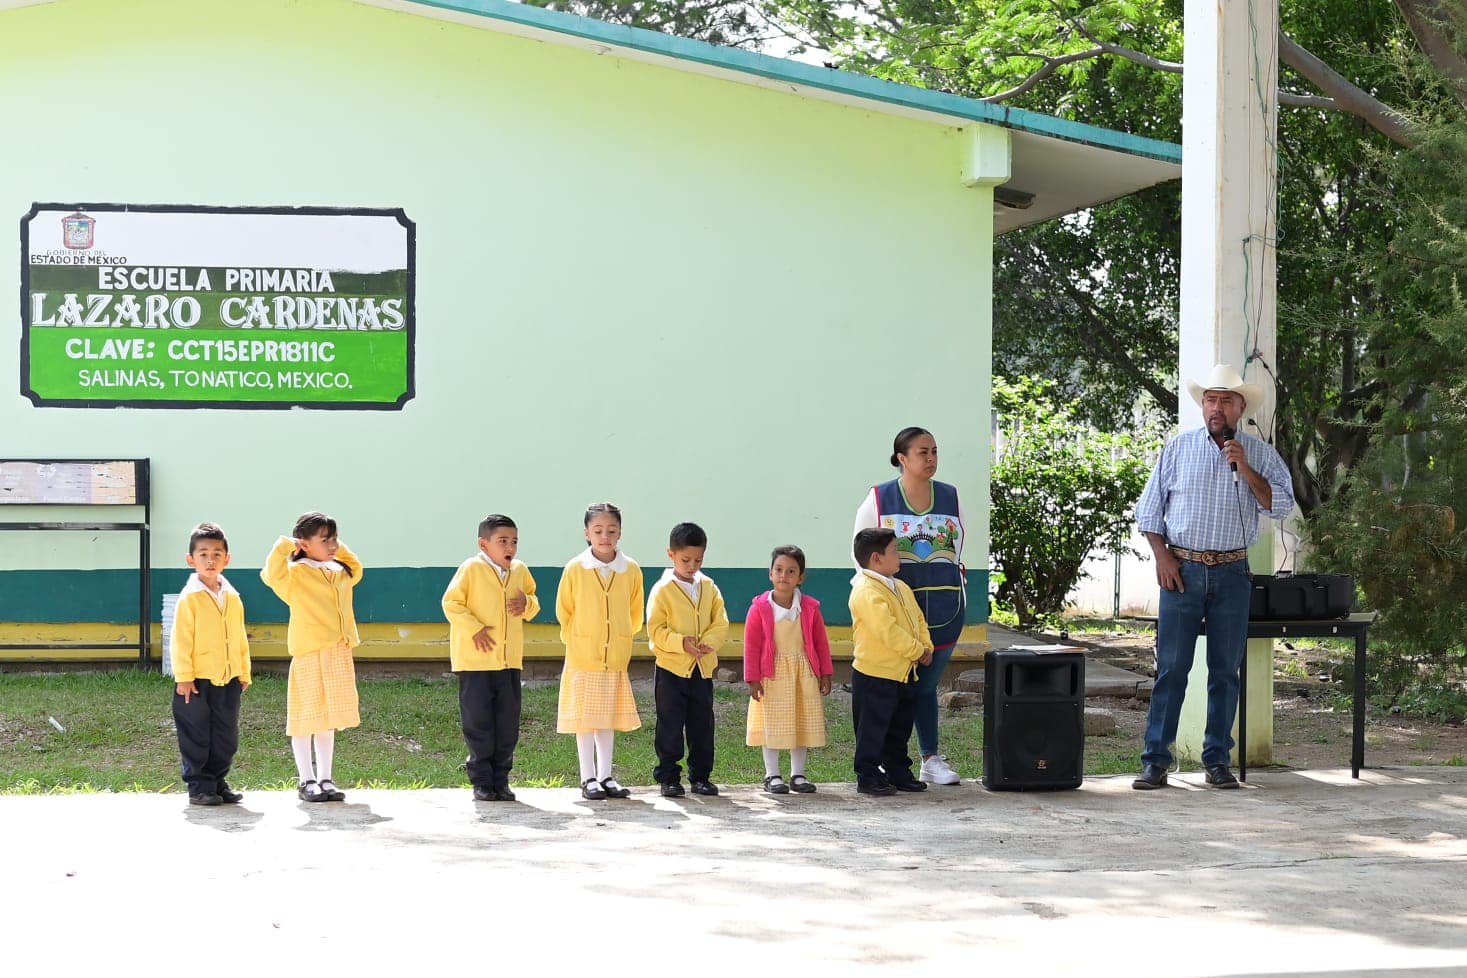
119,737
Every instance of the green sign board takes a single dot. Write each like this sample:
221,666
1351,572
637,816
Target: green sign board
176,307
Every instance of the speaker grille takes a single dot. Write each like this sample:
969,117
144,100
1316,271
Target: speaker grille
1039,744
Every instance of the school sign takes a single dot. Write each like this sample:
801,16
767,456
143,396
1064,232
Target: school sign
170,306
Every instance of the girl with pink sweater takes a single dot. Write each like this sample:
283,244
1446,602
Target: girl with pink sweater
787,666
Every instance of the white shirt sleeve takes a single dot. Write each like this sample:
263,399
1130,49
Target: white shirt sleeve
866,519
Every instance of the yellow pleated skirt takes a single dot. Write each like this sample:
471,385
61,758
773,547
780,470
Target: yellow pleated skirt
322,692
595,701
791,713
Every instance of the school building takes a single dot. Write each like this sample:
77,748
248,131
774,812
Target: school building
410,263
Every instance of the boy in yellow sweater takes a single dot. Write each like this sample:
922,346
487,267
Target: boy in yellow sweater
891,639
487,603
686,625
211,668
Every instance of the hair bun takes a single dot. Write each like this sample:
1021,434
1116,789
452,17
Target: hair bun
895,462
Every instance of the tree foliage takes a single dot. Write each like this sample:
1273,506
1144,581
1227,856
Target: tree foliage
1059,491
1396,524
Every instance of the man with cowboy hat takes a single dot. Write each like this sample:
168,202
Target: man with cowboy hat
1200,512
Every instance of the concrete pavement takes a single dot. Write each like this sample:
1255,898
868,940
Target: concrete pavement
1298,873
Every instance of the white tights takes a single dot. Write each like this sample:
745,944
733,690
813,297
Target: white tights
594,749
797,761
325,749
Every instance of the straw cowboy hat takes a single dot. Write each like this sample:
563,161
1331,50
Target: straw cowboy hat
1225,378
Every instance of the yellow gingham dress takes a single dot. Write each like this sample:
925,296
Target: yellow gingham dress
791,713
595,701
322,692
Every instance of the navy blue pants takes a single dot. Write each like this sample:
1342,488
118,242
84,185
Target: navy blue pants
489,712
208,733
684,707
883,711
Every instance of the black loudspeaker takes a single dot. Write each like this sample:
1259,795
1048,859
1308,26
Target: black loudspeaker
1033,720
1301,596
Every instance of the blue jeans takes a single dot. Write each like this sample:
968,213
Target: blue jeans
927,679
1221,595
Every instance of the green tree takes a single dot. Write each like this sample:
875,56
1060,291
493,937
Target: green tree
1396,523
1059,491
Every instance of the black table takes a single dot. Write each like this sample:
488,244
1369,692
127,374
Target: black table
1355,626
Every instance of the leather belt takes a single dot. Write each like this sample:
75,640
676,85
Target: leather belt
1211,558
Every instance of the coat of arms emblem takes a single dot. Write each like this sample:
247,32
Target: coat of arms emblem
78,230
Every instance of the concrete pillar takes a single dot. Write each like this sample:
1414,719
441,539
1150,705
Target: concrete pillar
1229,191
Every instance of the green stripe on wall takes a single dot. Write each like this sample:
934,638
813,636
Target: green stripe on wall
387,594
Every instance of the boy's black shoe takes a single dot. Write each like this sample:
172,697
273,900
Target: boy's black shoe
673,789
874,786
485,794
704,788
591,790
502,793
911,784
228,796
205,800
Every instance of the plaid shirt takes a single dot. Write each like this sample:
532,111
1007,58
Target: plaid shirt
1191,501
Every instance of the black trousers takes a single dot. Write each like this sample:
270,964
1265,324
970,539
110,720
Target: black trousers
883,711
683,706
489,712
208,733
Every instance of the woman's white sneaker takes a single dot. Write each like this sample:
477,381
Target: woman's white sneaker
935,770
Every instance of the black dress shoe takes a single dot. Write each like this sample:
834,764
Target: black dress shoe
332,793
502,793
673,789
1151,776
311,791
874,786
802,784
1218,776
228,796
485,794
704,788
774,784
591,790
613,789
910,785
209,800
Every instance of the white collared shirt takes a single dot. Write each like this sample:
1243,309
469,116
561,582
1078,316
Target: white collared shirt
503,574
792,613
690,588
888,581
331,565
194,584
617,565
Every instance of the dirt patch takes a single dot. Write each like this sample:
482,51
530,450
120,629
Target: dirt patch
14,731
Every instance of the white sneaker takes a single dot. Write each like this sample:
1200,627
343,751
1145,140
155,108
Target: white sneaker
935,770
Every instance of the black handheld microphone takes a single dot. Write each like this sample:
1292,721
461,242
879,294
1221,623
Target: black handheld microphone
1228,435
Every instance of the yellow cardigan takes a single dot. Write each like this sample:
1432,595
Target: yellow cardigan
208,642
887,628
672,616
321,615
598,620
475,599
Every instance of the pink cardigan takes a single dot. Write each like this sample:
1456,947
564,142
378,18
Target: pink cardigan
759,638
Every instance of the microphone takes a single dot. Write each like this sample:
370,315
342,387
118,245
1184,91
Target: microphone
1228,435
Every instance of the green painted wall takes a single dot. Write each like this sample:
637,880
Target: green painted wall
700,299
389,594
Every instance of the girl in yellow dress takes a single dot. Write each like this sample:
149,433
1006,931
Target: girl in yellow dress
787,666
600,608
314,574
